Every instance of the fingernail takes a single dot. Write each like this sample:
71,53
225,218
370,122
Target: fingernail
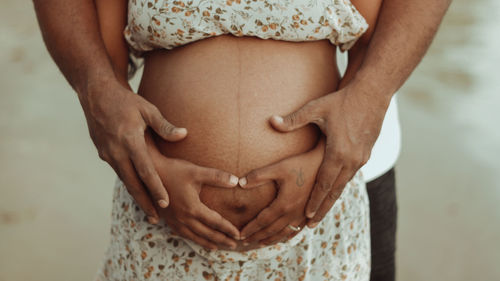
243,181
310,215
163,203
242,238
181,131
278,119
246,244
233,180
152,220
312,225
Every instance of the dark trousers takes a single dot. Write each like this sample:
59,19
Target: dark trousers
383,216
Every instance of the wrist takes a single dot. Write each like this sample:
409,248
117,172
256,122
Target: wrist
95,86
93,74
370,89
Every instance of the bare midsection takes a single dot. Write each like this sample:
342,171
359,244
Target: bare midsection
223,90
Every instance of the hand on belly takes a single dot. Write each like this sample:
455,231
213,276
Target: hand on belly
284,188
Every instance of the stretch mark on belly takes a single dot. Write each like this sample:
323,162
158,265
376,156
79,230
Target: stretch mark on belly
238,101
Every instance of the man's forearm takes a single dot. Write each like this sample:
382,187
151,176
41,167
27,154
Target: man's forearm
71,32
404,31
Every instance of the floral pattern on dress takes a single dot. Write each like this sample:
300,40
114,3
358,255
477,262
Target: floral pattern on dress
166,24
338,248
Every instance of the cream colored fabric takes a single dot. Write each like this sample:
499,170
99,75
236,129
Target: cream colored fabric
167,24
337,249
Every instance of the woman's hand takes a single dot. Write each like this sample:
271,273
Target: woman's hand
351,119
294,177
117,119
187,215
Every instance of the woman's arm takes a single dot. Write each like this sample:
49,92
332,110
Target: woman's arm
112,16
369,9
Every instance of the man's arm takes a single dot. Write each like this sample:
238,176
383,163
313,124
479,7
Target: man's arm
71,33
351,117
405,29
117,118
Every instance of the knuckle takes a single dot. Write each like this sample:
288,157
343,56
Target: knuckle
335,194
293,118
353,159
261,223
339,156
194,212
195,174
148,107
253,176
324,186
130,138
365,159
267,232
145,172
104,156
332,196
219,176
166,127
217,222
285,208
183,220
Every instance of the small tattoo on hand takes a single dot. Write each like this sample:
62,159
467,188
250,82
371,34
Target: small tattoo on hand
300,177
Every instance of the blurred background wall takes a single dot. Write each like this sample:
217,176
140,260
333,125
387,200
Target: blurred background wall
55,193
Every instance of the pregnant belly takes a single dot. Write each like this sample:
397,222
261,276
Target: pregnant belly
223,90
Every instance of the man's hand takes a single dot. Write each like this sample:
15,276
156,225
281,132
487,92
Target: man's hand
351,122
116,117
294,177
117,120
187,215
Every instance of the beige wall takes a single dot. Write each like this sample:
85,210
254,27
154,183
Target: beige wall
55,193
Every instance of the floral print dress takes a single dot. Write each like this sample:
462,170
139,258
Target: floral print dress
167,24
338,248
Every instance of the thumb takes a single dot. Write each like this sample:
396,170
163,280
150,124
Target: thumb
162,127
294,120
259,176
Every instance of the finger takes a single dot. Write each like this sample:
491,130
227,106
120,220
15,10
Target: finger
215,177
185,231
328,172
165,129
148,174
294,233
283,235
211,235
136,189
213,219
295,120
264,219
260,176
344,176
273,229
